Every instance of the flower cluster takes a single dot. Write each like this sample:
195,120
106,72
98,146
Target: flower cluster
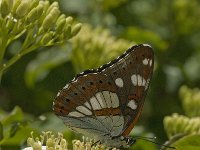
190,101
88,145
93,43
189,124
39,22
48,141
179,124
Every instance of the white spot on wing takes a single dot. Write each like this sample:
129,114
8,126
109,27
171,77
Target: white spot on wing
134,79
150,62
138,80
106,95
101,100
143,82
87,104
75,114
119,82
147,84
114,99
95,104
145,61
84,110
132,104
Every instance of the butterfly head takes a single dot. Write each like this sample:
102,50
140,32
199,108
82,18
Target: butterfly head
128,141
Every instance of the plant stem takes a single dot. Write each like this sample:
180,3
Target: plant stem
3,46
16,57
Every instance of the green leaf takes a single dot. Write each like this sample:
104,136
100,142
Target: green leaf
14,128
190,142
14,116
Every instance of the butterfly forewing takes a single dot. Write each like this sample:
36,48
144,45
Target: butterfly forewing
107,102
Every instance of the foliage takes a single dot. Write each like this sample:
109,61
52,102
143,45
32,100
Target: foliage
40,23
110,27
11,123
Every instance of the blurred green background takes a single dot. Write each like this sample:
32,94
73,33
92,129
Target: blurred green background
172,28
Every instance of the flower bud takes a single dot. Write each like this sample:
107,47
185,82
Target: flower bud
47,38
10,4
34,4
31,17
76,29
48,22
16,4
69,20
54,4
30,141
45,5
55,13
4,8
195,125
190,100
63,143
61,17
39,10
50,142
35,13
37,146
188,129
22,9
67,31
60,25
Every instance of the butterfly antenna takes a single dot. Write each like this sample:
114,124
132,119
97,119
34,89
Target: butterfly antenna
153,138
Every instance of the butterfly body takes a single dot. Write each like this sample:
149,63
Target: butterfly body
105,103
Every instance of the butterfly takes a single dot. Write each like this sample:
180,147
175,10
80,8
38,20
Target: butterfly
105,103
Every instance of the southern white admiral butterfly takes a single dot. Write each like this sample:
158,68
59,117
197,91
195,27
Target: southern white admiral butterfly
105,103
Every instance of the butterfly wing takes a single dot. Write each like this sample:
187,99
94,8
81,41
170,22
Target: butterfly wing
90,105
108,100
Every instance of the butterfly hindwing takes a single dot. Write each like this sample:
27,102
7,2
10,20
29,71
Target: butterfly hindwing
107,102
141,69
